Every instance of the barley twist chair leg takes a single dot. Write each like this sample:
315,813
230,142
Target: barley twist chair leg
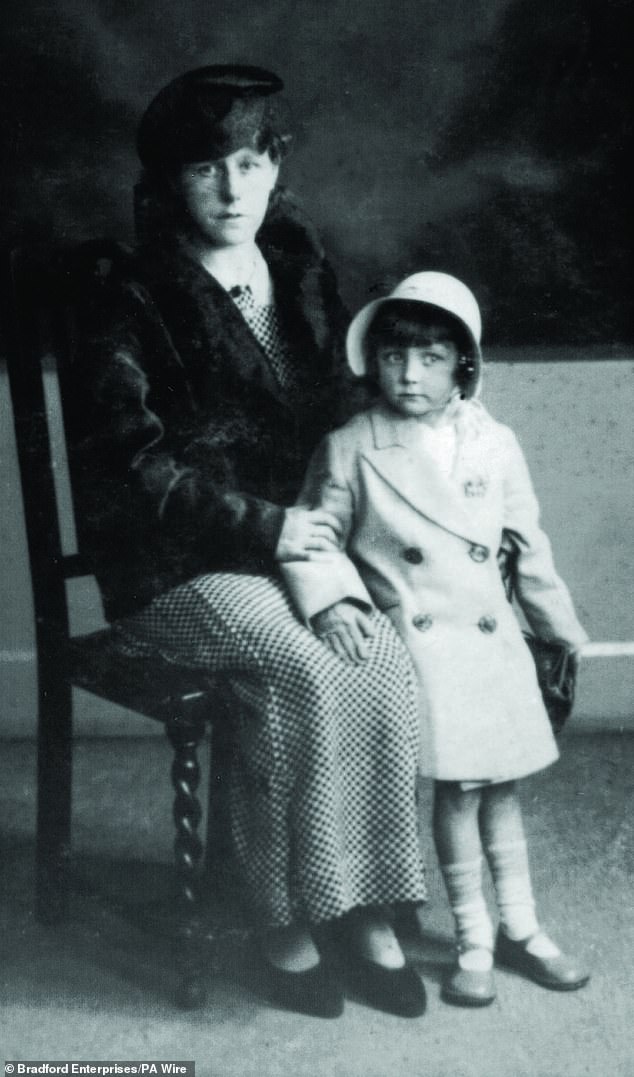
185,736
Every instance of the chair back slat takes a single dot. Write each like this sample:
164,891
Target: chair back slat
28,327
47,298
59,457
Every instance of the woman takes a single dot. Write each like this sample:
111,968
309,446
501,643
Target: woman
207,388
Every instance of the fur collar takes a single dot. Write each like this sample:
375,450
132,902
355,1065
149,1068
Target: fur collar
203,323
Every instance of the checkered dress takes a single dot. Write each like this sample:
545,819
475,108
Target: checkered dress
323,789
264,323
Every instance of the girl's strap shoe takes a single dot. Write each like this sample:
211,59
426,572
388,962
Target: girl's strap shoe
468,987
558,973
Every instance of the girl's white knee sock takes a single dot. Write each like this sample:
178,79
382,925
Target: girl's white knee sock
508,861
474,930
510,870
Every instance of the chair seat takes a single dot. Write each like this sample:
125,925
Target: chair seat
150,686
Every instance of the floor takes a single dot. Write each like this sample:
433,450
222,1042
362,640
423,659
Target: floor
100,987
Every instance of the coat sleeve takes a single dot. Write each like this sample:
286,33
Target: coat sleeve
541,593
316,585
140,468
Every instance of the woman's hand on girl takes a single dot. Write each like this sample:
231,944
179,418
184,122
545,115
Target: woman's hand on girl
346,629
307,535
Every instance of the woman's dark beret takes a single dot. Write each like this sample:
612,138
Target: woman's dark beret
208,113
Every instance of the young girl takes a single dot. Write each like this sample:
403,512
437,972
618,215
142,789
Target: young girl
428,487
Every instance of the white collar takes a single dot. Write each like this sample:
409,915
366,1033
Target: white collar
259,281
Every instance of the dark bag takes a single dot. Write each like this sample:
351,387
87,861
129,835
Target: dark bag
556,670
555,662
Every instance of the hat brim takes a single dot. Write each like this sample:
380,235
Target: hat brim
358,328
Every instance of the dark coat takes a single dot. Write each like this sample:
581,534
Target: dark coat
184,450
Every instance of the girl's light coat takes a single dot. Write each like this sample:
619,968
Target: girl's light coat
422,548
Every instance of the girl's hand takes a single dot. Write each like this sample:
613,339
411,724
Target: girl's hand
307,535
346,629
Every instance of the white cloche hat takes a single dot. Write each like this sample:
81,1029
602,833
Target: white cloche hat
437,290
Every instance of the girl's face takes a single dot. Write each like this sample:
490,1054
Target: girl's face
228,198
417,381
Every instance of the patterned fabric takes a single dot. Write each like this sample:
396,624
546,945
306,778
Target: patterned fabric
264,323
183,448
323,791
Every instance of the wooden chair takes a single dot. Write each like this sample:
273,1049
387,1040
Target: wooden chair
45,296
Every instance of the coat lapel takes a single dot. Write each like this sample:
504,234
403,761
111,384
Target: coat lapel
402,462
205,324
210,335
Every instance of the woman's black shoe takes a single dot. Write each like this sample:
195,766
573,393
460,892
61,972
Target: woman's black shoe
315,992
397,991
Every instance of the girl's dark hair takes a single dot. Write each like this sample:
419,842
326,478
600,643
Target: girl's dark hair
406,323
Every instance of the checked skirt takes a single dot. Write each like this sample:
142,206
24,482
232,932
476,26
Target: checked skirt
322,795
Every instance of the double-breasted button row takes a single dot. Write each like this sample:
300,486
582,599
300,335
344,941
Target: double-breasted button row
478,553
424,621
414,556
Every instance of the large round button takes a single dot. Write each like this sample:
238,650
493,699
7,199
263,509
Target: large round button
422,622
413,555
478,553
487,624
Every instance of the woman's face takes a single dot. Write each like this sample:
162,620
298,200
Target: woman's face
228,198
